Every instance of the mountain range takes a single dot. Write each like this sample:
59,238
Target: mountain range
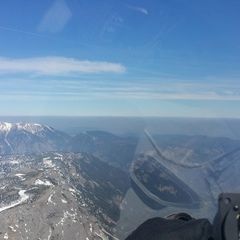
100,175
20,138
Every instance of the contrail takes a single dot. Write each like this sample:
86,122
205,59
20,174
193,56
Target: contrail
46,36
21,31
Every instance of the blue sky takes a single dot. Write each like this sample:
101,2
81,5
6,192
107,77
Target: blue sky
120,58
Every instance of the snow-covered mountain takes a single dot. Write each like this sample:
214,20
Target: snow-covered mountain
55,186
18,138
34,128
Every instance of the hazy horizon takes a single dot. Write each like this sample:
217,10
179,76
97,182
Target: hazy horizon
214,127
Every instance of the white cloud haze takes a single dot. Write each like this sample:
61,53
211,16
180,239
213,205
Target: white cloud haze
57,66
67,89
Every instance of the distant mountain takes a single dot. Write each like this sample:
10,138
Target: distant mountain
116,150
119,151
194,149
20,138
17,138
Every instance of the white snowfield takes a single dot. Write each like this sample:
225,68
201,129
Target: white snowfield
23,198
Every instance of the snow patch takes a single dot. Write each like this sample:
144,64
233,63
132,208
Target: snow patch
5,236
23,198
20,175
66,215
12,228
48,162
72,190
50,200
41,182
58,156
50,234
14,162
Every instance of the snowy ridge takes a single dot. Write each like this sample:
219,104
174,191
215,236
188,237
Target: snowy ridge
34,128
5,126
19,138
28,127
